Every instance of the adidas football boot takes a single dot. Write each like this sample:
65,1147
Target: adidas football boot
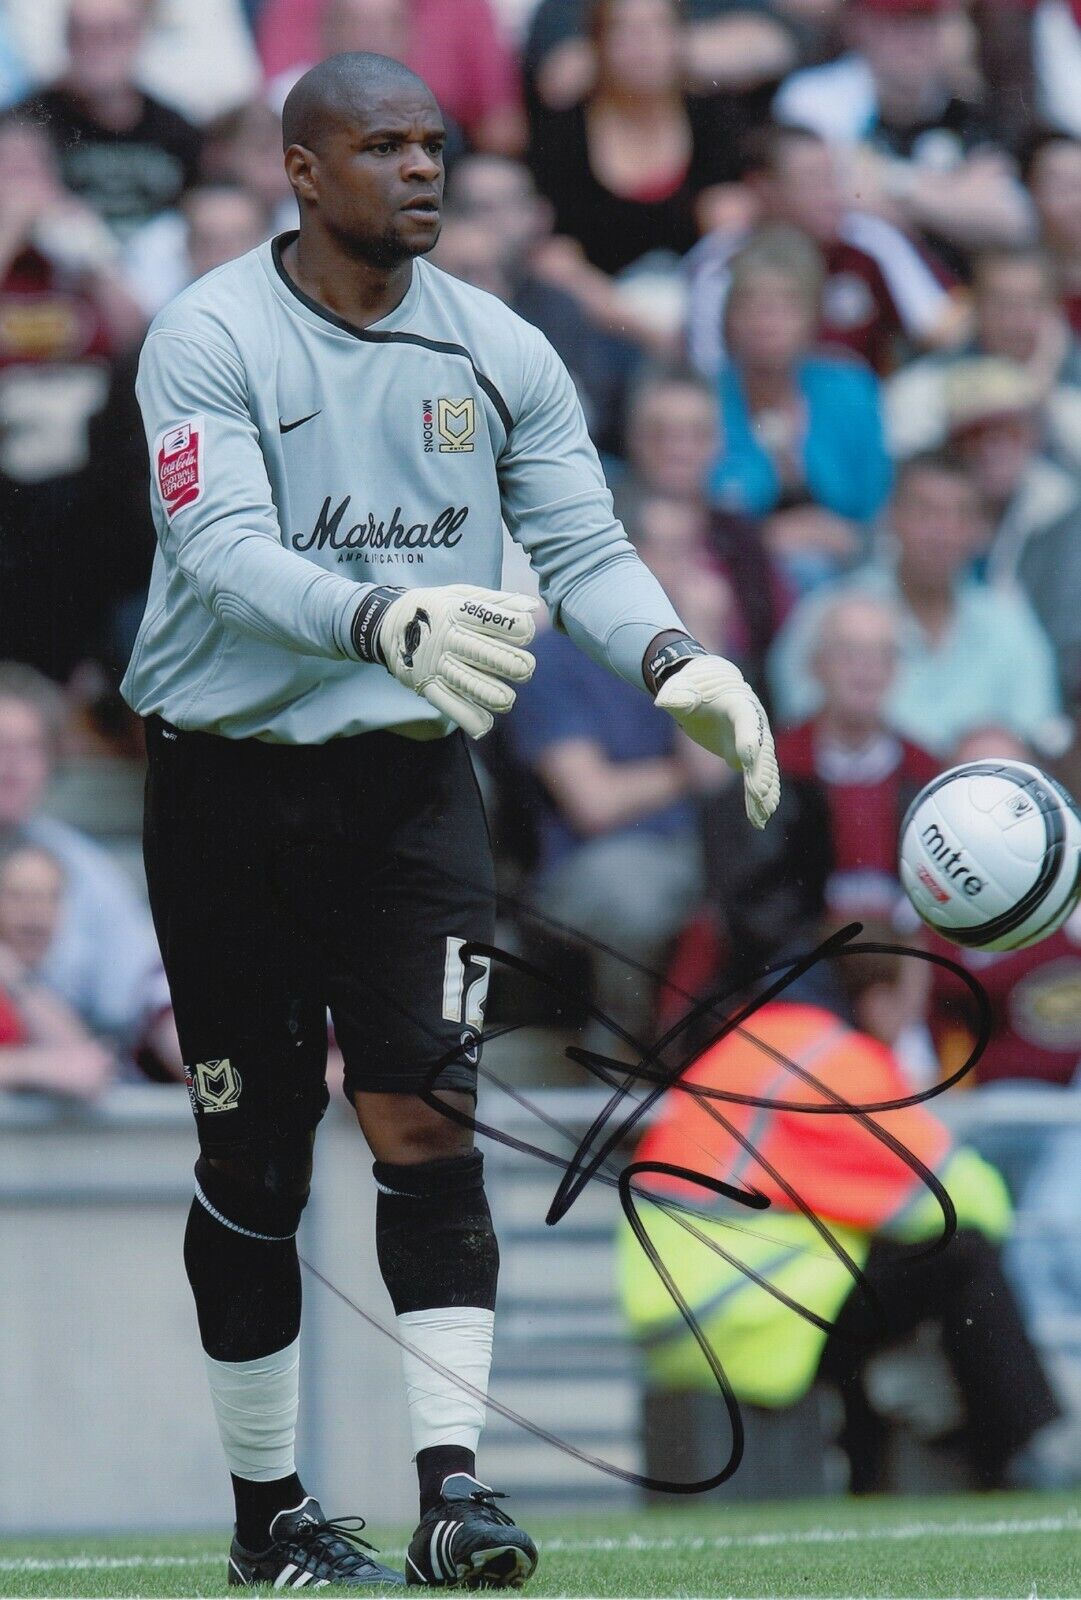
465,1540
309,1552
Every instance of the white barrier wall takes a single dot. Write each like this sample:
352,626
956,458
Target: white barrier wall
107,1421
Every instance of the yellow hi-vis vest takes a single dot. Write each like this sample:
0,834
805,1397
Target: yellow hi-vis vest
853,1183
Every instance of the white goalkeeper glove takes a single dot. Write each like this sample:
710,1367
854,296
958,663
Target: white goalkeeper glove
715,707
459,646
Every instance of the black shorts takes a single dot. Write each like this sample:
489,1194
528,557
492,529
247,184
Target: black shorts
285,880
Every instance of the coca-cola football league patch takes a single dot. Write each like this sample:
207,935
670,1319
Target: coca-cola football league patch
179,459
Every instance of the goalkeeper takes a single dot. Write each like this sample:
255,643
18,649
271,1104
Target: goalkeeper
336,430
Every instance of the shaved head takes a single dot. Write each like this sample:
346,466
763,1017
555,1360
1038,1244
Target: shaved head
364,142
341,90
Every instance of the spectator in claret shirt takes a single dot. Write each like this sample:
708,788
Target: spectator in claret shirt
1034,994
866,771
65,315
928,159
126,154
882,293
847,778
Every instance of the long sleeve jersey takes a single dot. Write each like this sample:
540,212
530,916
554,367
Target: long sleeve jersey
296,459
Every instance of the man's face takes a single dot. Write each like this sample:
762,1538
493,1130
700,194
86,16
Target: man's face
377,178
905,51
669,535
856,662
252,157
501,195
1013,303
805,190
936,519
990,744
381,26
674,434
997,453
222,224
24,762
470,250
31,894
103,41
1056,189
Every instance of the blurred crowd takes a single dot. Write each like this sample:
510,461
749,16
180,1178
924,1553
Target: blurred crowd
815,268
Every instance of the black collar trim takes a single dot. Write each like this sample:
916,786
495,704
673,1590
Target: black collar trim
368,336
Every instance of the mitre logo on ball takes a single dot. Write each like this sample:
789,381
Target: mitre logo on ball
951,863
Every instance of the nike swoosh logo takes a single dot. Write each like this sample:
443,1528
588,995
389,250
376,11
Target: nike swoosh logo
287,427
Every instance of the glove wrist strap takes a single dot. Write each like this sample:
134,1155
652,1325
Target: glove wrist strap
367,618
660,664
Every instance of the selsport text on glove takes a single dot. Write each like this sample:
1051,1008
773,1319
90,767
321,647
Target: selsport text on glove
459,646
719,710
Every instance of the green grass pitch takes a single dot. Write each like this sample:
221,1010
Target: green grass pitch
985,1545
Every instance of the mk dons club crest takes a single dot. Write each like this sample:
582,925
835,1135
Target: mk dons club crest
214,1085
457,423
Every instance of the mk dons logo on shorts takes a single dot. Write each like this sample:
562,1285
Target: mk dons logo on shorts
457,423
179,460
214,1085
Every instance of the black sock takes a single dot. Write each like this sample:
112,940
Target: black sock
437,1463
257,1504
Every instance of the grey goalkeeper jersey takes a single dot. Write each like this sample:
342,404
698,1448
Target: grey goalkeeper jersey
296,459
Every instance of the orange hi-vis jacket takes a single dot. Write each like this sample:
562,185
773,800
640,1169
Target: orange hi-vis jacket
839,1167
852,1181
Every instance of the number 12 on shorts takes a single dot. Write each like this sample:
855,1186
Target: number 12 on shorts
465,985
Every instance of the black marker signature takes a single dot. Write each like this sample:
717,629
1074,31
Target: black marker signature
591,1160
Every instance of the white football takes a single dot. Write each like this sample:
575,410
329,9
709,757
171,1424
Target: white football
990,855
